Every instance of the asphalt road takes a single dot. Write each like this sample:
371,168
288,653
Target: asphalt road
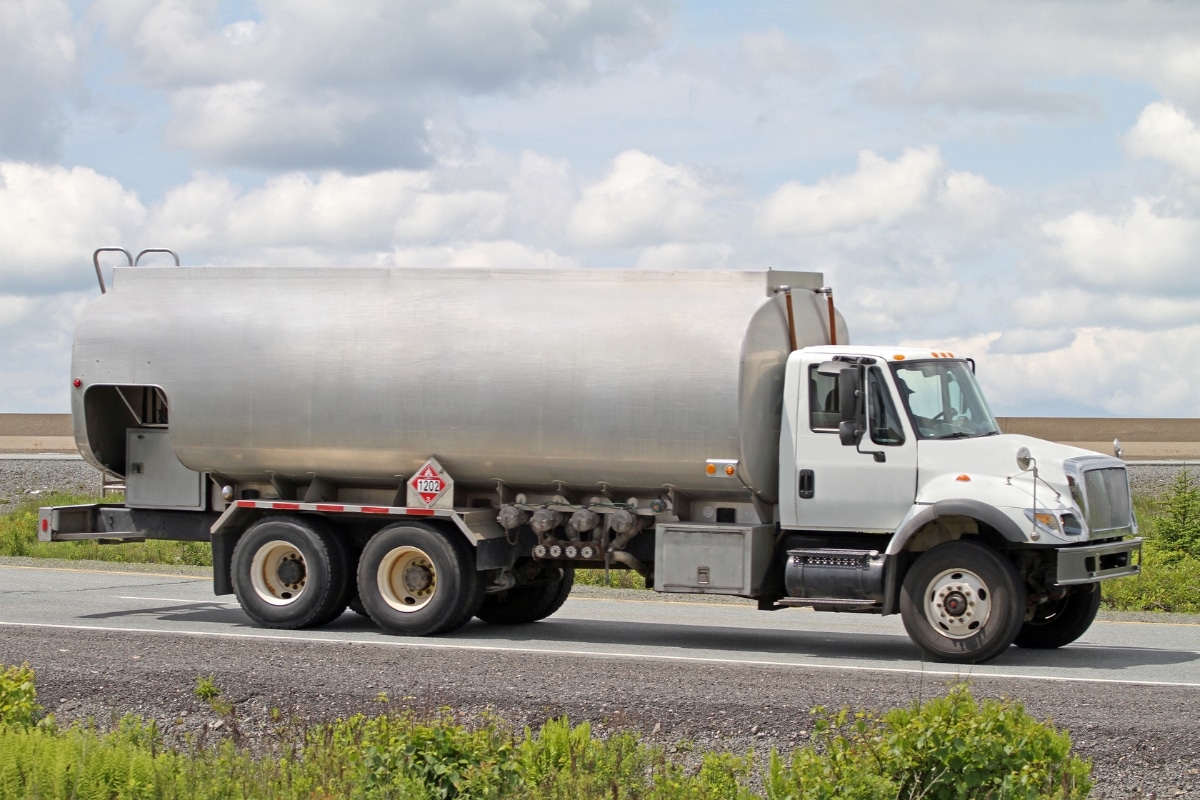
717,673
640,630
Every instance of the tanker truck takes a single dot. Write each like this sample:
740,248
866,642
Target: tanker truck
429,446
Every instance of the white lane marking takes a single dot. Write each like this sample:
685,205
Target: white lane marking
969,674
176,600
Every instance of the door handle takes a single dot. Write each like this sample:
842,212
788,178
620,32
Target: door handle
808,483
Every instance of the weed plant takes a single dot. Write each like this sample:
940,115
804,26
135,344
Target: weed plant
1170,579
617,578
950,748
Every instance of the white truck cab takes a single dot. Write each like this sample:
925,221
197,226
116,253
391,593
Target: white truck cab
896,450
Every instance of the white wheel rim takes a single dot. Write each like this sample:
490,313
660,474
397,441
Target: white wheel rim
278,573
958,603
407,579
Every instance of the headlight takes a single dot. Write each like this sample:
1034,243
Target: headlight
1057,522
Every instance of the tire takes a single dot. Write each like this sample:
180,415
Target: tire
1060,622
523,604
413,581
290,572
962,602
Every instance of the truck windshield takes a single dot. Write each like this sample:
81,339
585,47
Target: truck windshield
944,400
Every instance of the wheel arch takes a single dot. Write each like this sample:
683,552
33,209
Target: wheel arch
938,523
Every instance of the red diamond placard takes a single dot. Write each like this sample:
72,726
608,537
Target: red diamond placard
428,483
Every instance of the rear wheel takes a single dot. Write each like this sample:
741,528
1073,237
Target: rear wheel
1060,622
290,572
527,603
962,602
413,581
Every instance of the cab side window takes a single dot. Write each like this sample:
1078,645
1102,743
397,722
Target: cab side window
824,412
884,419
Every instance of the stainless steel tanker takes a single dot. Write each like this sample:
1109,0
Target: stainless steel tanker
581,378
428,446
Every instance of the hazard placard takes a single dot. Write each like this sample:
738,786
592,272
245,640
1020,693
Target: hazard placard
428,484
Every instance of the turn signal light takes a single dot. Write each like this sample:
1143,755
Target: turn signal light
711,469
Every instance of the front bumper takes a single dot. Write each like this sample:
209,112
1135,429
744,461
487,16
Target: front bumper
1098,562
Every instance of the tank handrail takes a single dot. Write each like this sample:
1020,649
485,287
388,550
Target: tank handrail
96,261
166,250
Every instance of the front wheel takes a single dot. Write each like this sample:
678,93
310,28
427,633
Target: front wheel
962,602
413,581
1060,622
522,604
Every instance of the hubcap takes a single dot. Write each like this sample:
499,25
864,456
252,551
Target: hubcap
278,573
407,579
958,603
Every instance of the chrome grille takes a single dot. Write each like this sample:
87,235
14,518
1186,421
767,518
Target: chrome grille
1106,501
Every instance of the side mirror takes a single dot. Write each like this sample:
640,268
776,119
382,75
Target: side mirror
849,432
849,390
1024,459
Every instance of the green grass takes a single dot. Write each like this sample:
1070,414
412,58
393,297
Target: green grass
949,748
617,578
18,537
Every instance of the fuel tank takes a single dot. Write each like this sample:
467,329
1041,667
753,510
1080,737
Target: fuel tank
579,378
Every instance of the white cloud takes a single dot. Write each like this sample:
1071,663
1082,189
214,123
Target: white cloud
643,201
1166,133
961,91
1016,56
52,218
38,62
1065,304
1115,371
685,256
878,193
888,309
470,215
333,213
1025,341
35,349
499,254
543,192
1138,251
323,85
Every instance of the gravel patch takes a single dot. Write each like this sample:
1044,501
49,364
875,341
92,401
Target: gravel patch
1140,738
21,479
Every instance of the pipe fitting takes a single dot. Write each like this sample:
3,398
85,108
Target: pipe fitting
545,520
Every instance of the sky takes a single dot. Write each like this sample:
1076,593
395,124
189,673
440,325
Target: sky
1014,181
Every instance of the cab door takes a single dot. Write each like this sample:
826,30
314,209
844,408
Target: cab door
869,487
